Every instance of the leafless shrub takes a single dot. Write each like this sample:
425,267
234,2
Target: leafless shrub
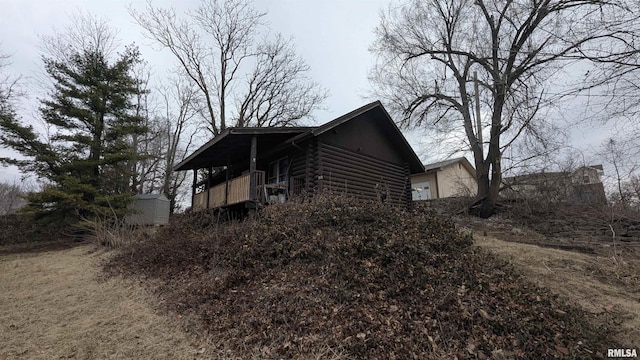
11,198
111,232
20,228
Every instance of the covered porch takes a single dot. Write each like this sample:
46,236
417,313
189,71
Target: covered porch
231,177
231,192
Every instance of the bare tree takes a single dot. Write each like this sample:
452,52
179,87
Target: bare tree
275,84
86,32
216,45
8,88
170,120
10,194
180,105
632,190
11,198
140,166
622,155
487,66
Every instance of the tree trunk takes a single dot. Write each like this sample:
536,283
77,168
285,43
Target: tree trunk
482,172
95,153
488,205
490,186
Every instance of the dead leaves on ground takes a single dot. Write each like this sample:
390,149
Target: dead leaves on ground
372,280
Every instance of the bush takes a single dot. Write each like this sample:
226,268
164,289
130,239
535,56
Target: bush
19,228
112,232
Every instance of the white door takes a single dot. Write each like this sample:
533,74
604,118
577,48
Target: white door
421,191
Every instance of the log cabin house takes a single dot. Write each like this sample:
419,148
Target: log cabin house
362,153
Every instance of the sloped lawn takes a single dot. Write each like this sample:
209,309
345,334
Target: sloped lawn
53,306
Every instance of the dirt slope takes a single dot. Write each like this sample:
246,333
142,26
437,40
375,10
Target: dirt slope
596,283
52,306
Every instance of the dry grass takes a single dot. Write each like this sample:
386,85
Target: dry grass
52,306
581,279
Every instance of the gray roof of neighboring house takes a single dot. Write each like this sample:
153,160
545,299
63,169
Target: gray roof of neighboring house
443,164
151,197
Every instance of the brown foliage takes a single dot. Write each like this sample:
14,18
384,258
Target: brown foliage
18,229
599,222
373,280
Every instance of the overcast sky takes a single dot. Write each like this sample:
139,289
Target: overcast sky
333,36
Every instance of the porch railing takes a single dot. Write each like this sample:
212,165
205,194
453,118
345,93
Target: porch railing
234,191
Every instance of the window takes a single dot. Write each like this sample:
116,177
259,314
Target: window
585,178
278,171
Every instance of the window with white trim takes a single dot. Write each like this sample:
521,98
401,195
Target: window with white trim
278,171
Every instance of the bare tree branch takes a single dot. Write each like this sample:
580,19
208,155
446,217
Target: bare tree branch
87,33
243,81
427,51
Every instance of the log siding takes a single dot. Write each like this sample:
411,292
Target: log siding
363,176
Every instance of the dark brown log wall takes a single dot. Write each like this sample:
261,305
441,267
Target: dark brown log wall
366,177
368,135
297,171
311,169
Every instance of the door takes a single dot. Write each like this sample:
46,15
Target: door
421,191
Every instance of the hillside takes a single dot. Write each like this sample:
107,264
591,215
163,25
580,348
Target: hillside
53,307
356,280
589,255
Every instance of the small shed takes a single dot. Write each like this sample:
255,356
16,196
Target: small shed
149,209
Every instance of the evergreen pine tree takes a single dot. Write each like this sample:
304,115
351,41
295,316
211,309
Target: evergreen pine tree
90,121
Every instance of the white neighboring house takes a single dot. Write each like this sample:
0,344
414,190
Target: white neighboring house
149,209
449,178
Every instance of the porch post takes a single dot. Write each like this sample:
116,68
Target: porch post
208,185
226,182
252,168
193,189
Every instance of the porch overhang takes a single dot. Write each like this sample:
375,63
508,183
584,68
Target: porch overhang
233,145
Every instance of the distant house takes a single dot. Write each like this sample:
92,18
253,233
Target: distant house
449,178
362,153
582,185
149,209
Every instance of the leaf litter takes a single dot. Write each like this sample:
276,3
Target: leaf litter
370,280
